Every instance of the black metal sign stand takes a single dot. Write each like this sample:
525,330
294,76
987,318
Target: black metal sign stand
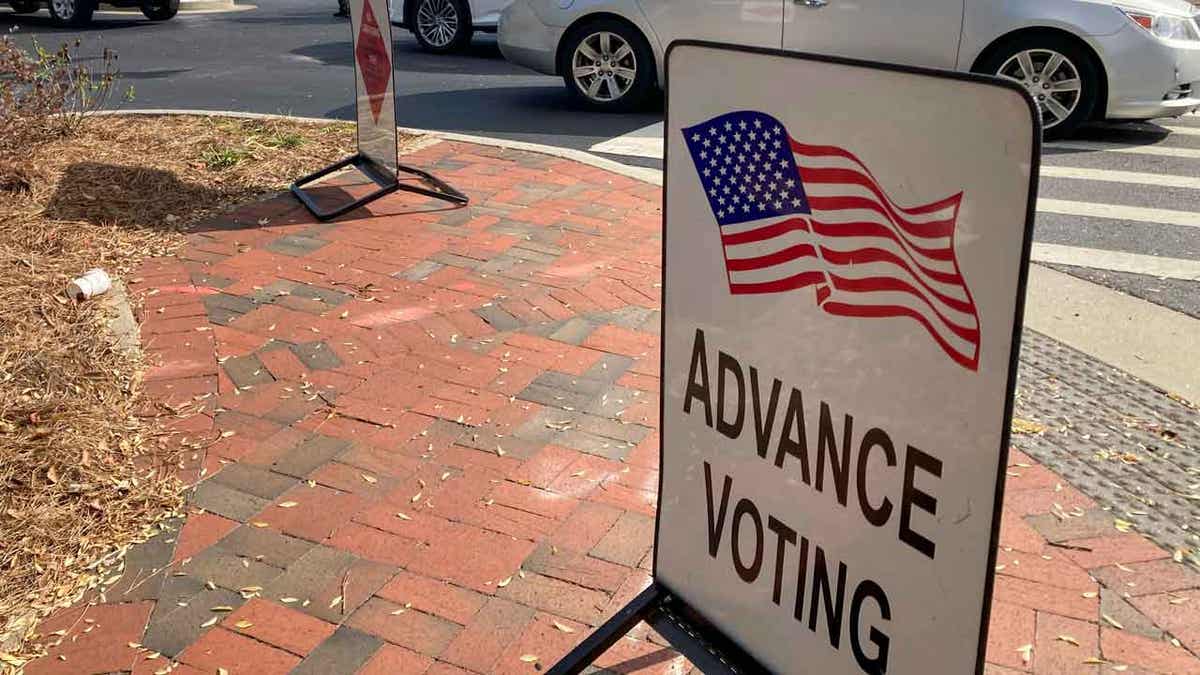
386,184
385,180
697,640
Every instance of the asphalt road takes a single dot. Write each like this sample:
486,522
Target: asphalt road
1119,202
293,56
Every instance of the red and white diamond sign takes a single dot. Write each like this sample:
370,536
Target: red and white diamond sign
374,61
376,102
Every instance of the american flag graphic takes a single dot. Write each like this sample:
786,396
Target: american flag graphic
794,215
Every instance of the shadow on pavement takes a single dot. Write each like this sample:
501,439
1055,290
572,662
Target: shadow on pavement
536,111
481,58
1131,134
128,196
152,74
297,20
42,23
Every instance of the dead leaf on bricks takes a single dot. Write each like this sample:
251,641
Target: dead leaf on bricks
243,624
416,498
1026,652
529,658
1068,639
563,628
335,602
370,479
210,622
1113,622
1020,426
288,505
504,582
1122,525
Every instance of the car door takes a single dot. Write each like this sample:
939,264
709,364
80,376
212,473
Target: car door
909,32
757,23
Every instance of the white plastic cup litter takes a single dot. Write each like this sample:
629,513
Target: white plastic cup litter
94,282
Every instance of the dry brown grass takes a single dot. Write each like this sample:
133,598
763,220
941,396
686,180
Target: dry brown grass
85,467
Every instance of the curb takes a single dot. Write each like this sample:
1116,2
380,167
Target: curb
1091,332
652,176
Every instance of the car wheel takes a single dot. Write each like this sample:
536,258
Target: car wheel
24,6
608,65
160,10
72,12
441,26
1061,76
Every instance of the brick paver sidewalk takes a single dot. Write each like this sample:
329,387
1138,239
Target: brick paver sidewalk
434,450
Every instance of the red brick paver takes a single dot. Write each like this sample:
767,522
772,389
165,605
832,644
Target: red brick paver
444,454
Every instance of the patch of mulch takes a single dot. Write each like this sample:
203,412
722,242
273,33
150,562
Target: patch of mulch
86,467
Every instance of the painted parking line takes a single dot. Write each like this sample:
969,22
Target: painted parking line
1125,148
644,142
1116,261
1130,177
1117,212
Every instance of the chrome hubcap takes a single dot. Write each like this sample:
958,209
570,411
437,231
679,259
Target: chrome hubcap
64,8
437,20
1050,78
604,66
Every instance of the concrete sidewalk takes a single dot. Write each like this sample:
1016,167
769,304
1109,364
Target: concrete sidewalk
432,447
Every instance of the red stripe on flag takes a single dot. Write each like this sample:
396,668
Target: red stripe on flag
832,175
937,228
865,229
777,258
872,255
789,284
885,311
766,232
882,284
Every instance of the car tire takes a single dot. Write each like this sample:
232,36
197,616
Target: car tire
620,80
1061,75
25,6
72,13
160,10
441,26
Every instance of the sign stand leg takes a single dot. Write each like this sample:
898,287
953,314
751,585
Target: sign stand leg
609,632
701,643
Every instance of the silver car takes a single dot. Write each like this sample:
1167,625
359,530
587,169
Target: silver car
1080,59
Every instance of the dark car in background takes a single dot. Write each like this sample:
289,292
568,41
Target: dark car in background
79,12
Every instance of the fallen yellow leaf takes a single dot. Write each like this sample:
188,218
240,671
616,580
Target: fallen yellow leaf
1020,426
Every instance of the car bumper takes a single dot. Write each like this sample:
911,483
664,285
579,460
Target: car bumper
1149,77
526,40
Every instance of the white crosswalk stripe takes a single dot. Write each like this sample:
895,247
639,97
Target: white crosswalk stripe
1117,261
1117,212
1111,176
1146,148
1125,148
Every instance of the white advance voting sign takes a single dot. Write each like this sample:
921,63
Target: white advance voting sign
845,256
374,83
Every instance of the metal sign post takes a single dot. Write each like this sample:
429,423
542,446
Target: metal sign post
845,254
375,100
